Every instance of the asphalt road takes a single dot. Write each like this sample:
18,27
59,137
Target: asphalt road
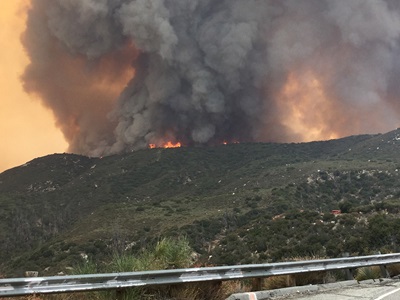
388,290
384,289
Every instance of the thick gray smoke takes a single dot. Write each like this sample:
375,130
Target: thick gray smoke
121,74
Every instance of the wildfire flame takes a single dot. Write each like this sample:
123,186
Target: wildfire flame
178,144
166,145
171,145
230,142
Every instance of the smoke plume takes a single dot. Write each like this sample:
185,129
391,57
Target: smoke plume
123,74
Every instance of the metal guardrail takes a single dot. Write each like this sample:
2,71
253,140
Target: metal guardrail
118,281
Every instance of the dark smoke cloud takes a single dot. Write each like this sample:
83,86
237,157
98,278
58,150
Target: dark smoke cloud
120,74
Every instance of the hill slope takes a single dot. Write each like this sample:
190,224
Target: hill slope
57,208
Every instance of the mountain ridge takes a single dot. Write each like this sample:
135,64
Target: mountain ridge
100,204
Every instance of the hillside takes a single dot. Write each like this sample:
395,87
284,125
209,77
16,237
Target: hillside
263,199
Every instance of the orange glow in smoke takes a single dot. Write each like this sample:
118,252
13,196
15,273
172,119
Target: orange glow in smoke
92,88
166,145
305,109
27,128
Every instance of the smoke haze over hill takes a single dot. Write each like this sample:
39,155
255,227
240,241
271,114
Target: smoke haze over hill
123,74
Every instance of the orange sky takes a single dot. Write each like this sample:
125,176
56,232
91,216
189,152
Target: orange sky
27,129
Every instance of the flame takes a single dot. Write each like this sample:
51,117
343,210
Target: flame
168,144
171,145
306,109
230,142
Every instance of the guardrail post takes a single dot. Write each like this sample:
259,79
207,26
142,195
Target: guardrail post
384,271
348,273
257,284
120,294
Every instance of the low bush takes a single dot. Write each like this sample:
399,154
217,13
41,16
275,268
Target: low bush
168,253
393,270
365,273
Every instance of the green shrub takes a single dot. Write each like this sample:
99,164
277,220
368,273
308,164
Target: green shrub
173,253
87,267
122,263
